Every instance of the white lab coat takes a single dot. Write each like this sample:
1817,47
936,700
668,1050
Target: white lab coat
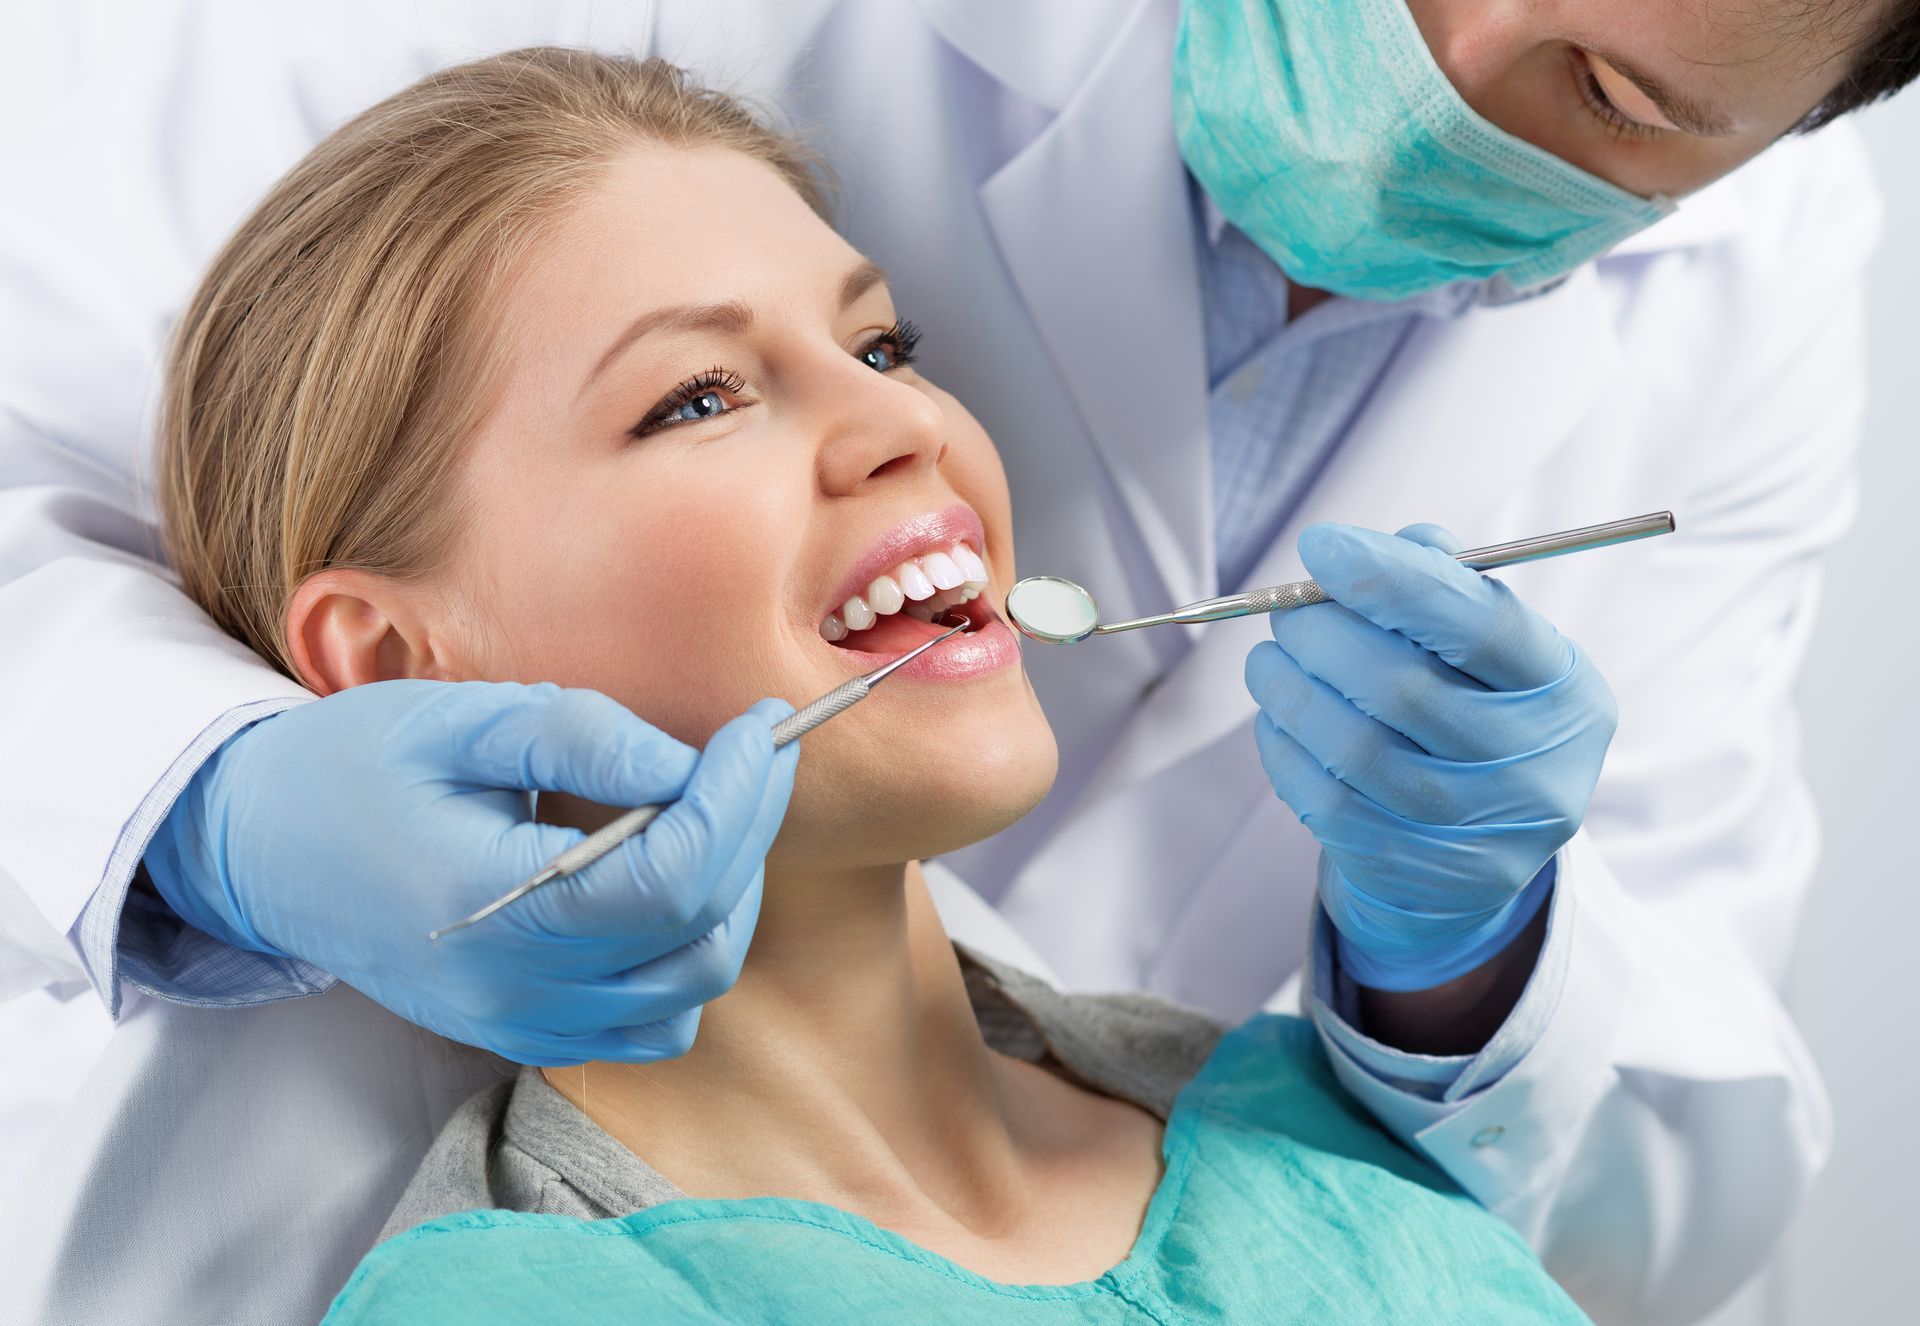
1014,168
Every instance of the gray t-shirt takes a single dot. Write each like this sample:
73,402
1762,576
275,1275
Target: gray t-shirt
522,1146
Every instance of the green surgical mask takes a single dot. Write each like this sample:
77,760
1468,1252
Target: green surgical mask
1324,130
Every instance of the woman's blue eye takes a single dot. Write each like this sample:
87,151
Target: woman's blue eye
705,396
892,348
703,406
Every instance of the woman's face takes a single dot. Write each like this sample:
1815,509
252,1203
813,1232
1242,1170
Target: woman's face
1658,96
709,440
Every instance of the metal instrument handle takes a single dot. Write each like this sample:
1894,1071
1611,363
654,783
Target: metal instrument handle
1303,593
802,721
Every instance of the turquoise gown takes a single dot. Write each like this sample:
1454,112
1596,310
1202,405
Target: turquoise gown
1281,1201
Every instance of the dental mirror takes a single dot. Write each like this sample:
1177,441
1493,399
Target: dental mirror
1059,612
1051,610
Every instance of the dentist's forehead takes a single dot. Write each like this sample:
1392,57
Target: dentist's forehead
1748,64
1744,42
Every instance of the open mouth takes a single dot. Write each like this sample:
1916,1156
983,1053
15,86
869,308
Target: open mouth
917,600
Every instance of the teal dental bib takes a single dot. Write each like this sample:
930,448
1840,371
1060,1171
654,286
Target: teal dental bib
1281,1201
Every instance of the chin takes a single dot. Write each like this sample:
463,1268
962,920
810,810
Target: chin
937,798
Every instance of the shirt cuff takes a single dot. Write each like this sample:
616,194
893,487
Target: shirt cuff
1333,1004
129,935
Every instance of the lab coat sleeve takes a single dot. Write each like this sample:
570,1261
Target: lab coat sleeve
1333,1003
1653,1169
114,688
1665,1120
113,684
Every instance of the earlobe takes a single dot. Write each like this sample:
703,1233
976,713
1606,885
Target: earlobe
348,628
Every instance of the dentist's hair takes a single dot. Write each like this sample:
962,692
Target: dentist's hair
1887,60
325,375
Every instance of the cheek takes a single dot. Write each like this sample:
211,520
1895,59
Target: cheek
916,773
654,588
973,467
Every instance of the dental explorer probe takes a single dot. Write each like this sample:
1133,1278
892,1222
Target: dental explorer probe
1059,612
609,836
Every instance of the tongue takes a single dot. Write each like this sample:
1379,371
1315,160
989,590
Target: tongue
893,634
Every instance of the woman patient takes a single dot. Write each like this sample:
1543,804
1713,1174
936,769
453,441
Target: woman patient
548,369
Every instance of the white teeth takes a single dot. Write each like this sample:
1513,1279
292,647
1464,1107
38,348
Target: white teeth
922,587
884,596
913,581
857,614
941,570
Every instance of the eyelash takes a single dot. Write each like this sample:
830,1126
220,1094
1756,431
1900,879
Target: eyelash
902,336
714,379
1601,106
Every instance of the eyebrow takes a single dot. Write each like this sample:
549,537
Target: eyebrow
730,316
1682,111
727,316
860,280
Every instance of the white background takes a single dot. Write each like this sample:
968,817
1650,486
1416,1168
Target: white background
1854,1256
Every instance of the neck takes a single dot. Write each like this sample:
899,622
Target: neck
845,1066
1301,299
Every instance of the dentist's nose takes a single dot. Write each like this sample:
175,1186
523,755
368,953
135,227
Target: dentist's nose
879,427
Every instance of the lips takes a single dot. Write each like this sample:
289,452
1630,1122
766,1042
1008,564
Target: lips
923,571
932,532
987,646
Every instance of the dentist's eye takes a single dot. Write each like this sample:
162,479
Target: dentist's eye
702,396
892,348
1614,120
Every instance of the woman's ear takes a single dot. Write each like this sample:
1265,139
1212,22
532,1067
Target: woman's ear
347,628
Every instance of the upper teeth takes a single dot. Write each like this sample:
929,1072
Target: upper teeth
923,587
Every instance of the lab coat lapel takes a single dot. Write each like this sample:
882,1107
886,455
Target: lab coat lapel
1042,51
1094,222
1468,408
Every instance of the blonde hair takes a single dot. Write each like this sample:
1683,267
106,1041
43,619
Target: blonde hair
323,378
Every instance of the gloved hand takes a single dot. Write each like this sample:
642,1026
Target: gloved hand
1437,736
342,831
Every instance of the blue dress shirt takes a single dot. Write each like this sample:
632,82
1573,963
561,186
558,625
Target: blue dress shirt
1282,394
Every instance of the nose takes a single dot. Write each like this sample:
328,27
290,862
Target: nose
1477,45
877,428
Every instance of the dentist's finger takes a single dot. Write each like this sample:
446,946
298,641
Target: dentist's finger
1315,796
775,795
1354,829
547,738
1476,624
675,880
1432,536
1402,684
1354,747
668,1038
687,977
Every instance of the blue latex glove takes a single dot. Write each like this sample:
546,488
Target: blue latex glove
1437,736
342,831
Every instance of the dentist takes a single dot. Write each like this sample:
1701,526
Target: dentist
1212,274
